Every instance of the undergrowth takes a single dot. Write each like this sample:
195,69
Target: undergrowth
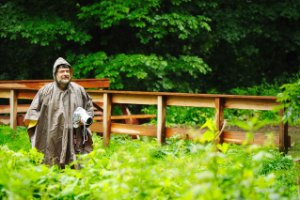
142,169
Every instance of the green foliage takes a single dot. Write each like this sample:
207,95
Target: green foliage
194,46
37,29
178,116
289,98
144,72
263,89
276,163
86,65
252,125
105,13
181,25
146,17
132,169
15,140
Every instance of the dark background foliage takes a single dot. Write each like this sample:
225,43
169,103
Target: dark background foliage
153,45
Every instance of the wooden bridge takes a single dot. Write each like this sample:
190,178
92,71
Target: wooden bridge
14,92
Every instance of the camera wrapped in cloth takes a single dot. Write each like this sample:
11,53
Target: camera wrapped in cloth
80,116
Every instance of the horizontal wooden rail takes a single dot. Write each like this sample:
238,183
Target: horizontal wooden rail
191,100
22,108
120,117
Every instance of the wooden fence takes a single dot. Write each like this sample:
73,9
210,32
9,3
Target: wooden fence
105,99
163,99
25,90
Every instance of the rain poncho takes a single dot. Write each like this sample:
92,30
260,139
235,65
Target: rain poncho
49,121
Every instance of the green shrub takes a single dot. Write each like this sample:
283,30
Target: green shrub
139,169
289,97
177,115
15,140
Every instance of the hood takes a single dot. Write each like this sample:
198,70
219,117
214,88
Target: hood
60,61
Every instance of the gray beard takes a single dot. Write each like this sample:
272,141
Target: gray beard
63,83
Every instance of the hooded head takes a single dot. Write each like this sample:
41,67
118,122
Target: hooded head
62,79
60,61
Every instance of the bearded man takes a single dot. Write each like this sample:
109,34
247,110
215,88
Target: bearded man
49,118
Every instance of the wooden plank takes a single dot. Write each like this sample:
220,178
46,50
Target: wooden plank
145,130
127,112
21,108
133,129
13,109
128,129
161,120
97,107
96,95
239,137
184,132
17,84
106,119
27,94
93,83
120,117
137,93
37,84
5,120
96,127
190,101
5,93
134,99
252,104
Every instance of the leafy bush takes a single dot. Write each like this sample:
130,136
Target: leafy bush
15,140
177,115
144,72
289,97
140,169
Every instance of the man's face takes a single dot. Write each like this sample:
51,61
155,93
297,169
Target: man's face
63,75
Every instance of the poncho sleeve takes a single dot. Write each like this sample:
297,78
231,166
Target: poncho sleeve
33,113
89,105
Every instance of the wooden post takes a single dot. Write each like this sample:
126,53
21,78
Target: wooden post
13,102
219,116
106,119
161,119
283,134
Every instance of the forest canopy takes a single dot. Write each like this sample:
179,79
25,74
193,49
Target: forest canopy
153,45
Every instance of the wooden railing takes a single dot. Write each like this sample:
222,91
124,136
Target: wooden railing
163,99
105,99
18,90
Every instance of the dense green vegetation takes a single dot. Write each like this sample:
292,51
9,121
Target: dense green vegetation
240,47
14,140
140,169
153,45
236,47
